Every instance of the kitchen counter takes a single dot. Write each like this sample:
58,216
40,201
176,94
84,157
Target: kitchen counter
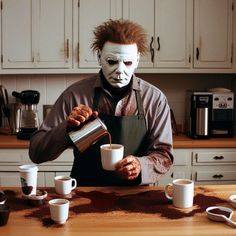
180,141
183,141
11,141
132,211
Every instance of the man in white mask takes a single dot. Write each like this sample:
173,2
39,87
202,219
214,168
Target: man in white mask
135,112
118,63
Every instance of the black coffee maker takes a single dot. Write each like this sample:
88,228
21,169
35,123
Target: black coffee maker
29,121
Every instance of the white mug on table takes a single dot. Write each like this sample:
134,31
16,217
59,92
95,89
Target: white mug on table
59,210
64,184
182,192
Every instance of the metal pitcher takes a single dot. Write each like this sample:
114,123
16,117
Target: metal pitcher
88,134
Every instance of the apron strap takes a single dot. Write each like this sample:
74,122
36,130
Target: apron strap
96,98
139,104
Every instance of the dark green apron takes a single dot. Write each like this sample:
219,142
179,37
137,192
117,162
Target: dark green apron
130,131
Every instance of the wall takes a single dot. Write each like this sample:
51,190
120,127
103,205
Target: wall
173,85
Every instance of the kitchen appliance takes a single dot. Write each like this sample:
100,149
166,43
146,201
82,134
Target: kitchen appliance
199,114
222,114
29,121
4,112
210,114
14,117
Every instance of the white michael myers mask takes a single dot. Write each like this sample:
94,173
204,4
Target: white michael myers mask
118,63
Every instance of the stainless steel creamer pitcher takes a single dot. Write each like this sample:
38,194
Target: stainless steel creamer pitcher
88,134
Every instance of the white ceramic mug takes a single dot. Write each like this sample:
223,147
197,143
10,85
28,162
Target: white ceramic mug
28,177
59,210
110,155
64,184
182,192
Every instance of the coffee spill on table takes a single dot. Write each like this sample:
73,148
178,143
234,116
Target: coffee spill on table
148,202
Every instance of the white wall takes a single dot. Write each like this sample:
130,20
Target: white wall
173,85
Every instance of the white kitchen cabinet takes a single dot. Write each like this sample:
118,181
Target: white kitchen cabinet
11,159
184,34
168,24
214,166
36,34
160,18
54,36
213,45
91,14
204,166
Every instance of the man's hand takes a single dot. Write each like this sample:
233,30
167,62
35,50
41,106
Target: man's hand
129,167
80,114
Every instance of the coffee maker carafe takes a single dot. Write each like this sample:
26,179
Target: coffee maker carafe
29,121
199,114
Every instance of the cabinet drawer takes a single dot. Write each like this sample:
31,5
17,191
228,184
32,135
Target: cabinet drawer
214,158
215,175
12,156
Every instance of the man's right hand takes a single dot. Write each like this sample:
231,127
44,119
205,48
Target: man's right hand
80,114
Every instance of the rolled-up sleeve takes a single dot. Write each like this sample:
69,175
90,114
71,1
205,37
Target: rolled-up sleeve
159,156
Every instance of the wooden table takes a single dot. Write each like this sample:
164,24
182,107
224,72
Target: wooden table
120,211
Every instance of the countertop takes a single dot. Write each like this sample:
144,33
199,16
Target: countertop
180,141
126,211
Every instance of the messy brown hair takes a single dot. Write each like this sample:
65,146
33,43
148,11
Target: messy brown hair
122,32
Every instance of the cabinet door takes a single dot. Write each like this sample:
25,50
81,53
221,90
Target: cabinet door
53,44
213,34
142,12
173,33
91,14
168,26
17,32
37,34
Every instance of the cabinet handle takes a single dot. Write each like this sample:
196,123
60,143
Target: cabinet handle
217,176
197,53
158,44
152,50
67,49
218,158
78,56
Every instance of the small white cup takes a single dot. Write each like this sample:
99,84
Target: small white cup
59,210
110,155
28,177
64,184
183,192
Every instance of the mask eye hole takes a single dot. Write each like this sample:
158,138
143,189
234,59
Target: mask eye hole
128,63
112,62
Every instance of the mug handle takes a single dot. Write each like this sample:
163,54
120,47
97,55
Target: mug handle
167,187
74,184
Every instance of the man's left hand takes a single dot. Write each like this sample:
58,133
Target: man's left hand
129,167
